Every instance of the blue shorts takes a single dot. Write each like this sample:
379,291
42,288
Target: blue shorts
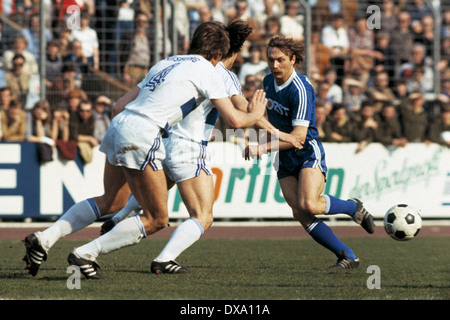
291,161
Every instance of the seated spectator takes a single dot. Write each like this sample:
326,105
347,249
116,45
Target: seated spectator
353,95
385,60
414,118
340,127
54,63
400,91
65,84
335,37
135,51
362,53
271,10
251,84
388,19
39,130
323,97
101,113
440,128
380,92
14,123
77,59
335,91
32,34
5,98
89,40
255,65
291,21
82,127
418,58
365,125
417,82
17,80
19,47
402,39
321,118
61,133
241,11
320,58
389,131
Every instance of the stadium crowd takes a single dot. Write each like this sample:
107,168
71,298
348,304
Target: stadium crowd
372,85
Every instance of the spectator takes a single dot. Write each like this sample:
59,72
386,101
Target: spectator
54,63
321,118
427,36
270,10
417,82
388,19
218,10
77,59
39,130
101,113
353,92
418,9
17,80
89,40
440,129
292,21
340,127
82,127
400,92
320,58
64,85
385,60
414,118
389,131
254,66
365,125
14,123
335,90
251,84
402,39
323,97
75,97
194,16
5,98
335,37
241,12
6,37
60,125
271,28
362,53
418,58
445,24
135,51
32,34
380,92
19,47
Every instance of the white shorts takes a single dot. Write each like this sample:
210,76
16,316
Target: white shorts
185,159
134,142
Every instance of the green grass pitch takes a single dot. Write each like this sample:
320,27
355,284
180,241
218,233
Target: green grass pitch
241,269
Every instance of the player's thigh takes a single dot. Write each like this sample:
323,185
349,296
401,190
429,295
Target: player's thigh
198,196
116,190
289,187
311,184
149,187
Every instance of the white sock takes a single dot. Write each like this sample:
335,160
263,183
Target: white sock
124,234
80,215
182,238
130,209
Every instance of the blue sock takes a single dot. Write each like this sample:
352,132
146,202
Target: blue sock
320,232
335,205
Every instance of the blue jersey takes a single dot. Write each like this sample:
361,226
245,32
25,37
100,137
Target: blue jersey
289,105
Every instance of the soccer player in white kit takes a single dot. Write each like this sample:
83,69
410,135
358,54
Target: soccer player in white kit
172,89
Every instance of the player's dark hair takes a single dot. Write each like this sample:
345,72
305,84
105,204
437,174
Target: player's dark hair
210,39
238,31
289,47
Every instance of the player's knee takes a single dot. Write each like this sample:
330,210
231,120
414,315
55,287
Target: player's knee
107,205
309,206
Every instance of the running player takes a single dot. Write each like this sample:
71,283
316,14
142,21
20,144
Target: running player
302,172
134,148
187,165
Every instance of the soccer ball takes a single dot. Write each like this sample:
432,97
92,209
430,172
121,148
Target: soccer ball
402,222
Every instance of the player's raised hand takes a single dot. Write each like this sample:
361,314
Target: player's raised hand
258,103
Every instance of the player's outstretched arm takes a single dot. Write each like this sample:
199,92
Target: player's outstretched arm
119,106
237,119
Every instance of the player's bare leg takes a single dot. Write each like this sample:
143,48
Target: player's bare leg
79,216
198,196
310,202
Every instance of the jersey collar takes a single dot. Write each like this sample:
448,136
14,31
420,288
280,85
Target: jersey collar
284,85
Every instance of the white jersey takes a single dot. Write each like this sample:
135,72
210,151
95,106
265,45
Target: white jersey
199,124
174,87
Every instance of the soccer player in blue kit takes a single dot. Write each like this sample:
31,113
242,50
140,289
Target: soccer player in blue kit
302,172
